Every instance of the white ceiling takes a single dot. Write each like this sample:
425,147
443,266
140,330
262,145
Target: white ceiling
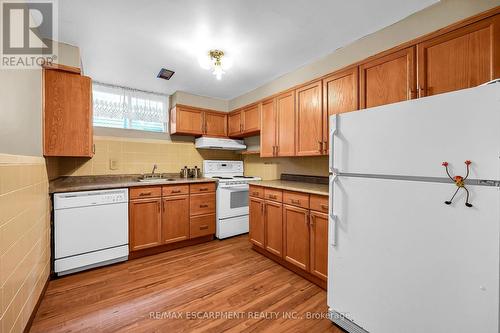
126,42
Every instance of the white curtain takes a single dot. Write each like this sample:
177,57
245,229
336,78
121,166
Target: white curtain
124,104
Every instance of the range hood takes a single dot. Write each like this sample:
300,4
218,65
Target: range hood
219,143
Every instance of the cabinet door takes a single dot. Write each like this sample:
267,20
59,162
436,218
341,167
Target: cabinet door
215,124
319,245
309,120
67,113
234,124
251,119
285,107
144,223
273,227
256,207
268,128
185,120
460,59
296,236
340,92
388,79
175,219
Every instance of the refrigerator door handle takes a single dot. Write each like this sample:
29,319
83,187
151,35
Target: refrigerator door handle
333,131
331,216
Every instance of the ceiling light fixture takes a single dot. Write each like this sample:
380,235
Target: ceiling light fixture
214,62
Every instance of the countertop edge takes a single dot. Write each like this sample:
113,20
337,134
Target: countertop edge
55,188
264,183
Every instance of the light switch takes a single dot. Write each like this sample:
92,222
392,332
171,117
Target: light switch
113,164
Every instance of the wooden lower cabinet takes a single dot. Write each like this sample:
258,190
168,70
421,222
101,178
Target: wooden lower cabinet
319,244
144,223
296,236
290,231
273,215
175,219
202,225
257,226
166,217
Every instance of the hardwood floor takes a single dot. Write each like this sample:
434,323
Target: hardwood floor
195,286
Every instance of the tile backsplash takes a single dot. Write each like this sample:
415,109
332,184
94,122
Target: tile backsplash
131,156
272,168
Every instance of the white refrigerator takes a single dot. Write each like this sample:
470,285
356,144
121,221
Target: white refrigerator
399,258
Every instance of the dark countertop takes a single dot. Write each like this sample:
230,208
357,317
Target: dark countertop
90,183
291,185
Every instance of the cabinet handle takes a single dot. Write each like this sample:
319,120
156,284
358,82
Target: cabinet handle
159,208
325,207
143,194
320,143
262,208
421,91
204,189
312,221
272,196
176,191
325,147
255,193
306,219
241,127
203,227
297,202
203,206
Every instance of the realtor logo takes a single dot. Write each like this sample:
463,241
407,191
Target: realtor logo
27,33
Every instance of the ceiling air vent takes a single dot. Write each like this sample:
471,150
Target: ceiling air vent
165,74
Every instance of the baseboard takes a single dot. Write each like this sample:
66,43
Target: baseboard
306,275
37,305
169,247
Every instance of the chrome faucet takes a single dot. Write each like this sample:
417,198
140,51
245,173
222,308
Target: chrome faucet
154,169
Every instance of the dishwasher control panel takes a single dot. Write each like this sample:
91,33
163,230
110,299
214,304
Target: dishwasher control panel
90,198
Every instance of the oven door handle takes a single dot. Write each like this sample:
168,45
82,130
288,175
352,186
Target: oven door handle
235,188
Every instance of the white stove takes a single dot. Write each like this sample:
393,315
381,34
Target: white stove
232,196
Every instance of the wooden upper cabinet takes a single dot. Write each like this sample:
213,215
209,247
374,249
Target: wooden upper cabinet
388,79
273,214
144,223
463,58
244,122
67,113
215,124
234,123
341,92
251,119
256,219
186,120
296,236
309,120
268,128
175,219
319,245
285,108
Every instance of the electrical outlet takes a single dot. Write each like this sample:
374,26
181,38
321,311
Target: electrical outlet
113,164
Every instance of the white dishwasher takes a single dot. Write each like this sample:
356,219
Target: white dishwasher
90,229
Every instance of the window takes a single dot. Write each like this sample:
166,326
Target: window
119,107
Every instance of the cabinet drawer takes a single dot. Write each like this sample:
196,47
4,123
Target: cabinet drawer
145,192
175,190
256,191
202,188
202,226
296,199
202,204
272,194
319,203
